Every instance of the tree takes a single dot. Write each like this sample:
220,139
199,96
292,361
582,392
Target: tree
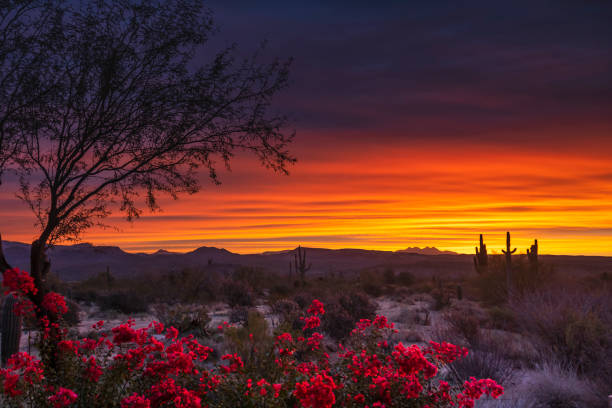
25,54
129,112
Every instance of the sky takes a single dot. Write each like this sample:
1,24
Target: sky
417,124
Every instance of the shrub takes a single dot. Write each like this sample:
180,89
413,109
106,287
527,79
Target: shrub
239,315
345,311
502,318
187,319
389,276
337,322
484,364
371,283
237,293
553,385
153,367
575,326
464,324
123,302
405,278
71,317
358,305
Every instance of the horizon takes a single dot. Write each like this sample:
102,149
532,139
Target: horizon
491,250
418,125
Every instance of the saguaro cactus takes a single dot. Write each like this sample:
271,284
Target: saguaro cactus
508,254
11,329
532,256
481,260
300,262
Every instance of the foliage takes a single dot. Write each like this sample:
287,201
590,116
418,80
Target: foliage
153,367
186,318
345,311
237,293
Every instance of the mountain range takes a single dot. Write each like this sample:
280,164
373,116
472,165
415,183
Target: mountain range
80,261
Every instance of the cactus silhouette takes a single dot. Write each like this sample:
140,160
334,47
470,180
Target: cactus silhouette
508,254
300,262
11,329
532,256
481,260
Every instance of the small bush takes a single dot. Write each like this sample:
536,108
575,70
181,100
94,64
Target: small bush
464,324
237,293
483,364
575,326
554,386
502,318
239,315
71,317
371,283
343,312
337,321
389,276
188,319
123,302
405,278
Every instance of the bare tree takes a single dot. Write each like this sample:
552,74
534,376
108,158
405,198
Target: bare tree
132,111
25,26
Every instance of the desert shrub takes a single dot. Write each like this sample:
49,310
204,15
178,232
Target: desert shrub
483,364
237,293
358,305
254,277
123,302
422,316
286,310
303,299
464,324
71,317
442,297
280,289
405,278
371,283
389,276
239,315
502,318
186,318
553,385
337,321
575,326
343,312
491,287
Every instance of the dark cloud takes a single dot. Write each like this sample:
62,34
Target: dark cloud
434,66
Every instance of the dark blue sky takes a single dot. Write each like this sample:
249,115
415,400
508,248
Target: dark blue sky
435,69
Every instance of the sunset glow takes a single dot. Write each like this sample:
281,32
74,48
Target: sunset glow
418,125
381,196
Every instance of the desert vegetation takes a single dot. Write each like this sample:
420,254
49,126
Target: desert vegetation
547,344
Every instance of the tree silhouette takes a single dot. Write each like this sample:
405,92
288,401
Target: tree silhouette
125,109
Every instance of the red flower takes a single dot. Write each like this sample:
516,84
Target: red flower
316,308
312,322
135,401
318,392
63,398
55,303
16,280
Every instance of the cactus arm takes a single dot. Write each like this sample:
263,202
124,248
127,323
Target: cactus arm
11,329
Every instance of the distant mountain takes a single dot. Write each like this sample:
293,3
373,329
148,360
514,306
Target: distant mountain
426,251
81,261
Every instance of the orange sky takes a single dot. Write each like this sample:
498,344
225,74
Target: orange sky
382,195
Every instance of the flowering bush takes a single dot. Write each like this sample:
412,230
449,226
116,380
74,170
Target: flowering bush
153,367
